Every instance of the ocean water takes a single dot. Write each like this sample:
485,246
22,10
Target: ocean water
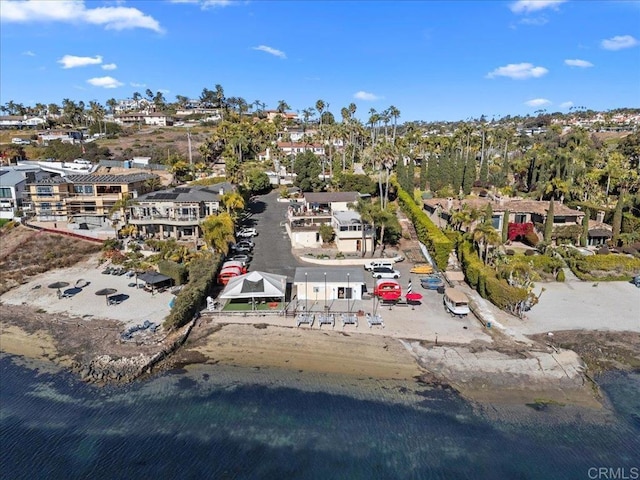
208,421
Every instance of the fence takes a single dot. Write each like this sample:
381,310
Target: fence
131,164
65,232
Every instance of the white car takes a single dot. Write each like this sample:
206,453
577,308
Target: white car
385,272
247,233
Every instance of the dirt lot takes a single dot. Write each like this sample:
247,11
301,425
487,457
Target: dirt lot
25,252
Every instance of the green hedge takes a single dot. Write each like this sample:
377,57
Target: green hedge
202,277
175,270
485,281
437,243
611,267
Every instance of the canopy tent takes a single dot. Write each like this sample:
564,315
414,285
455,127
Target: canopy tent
254,285
154,278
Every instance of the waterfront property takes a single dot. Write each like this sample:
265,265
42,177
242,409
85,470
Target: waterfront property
177,212
320,284
87,200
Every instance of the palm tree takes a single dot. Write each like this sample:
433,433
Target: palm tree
395,113
232,201
282,106
485,235
217,231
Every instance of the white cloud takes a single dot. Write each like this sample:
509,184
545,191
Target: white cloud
138,85
528,6
578,63
105,82
619,42
518,71
538,102
566,105
207,3
164,91
270,50
72,11
29,53
109,66
72,61
362,95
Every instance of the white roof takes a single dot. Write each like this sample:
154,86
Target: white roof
255,285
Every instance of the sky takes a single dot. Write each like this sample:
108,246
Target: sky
432,60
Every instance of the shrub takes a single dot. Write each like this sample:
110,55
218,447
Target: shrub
560,276
531,239
429,234
174,270
202,277
485,280
529,253
339,255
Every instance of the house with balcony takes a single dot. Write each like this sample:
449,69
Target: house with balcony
13,188
177,212
523,213
84,199
332,208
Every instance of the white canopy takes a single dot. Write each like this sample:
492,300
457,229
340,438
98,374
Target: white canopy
255,285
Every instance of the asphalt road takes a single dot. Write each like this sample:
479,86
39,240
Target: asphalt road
272,252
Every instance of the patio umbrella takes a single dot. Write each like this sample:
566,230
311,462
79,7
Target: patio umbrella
58,286
106,292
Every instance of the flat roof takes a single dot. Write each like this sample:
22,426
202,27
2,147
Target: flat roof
334,274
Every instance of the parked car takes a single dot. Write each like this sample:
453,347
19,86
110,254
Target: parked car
636,281
389,290
247,233
378,263
247,243
385,272
242,258
241,249
431,282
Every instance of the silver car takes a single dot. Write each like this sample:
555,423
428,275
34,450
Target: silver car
385,272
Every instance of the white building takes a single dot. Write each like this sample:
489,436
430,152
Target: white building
13,187
319,286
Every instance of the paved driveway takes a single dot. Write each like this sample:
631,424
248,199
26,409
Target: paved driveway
272,252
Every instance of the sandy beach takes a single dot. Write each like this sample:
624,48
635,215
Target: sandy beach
498,364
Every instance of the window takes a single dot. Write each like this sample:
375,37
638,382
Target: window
5,193
559,219
495,221
520,218
83,189
44,191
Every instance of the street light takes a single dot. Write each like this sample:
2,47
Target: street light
325,291
306,295
348,293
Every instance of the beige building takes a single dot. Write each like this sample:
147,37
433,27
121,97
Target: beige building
85,199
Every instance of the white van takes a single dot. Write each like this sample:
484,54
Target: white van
378,263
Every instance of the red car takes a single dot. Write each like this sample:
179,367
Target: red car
387,289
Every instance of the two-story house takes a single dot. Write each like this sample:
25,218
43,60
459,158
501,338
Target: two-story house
331,208
13,187
177,212
84,199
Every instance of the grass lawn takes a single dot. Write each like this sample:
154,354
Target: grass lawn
245,306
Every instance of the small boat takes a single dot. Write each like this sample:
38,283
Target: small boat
456,302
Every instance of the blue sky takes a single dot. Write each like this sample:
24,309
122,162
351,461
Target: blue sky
432,60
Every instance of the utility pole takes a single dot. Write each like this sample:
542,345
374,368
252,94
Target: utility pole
189,142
